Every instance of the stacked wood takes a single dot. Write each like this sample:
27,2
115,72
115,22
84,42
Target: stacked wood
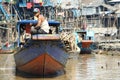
69,40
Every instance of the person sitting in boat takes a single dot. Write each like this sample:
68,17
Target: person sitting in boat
42,26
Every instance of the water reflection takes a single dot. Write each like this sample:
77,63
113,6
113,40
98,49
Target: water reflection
7,67
7,74
81,67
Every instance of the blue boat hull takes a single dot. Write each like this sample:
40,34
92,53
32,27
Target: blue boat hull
35,56
85,46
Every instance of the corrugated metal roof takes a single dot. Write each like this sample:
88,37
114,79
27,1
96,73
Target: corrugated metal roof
110,7
114,1
118,11
92,2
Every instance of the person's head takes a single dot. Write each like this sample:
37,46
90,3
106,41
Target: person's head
36,11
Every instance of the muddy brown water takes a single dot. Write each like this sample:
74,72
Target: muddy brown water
80,67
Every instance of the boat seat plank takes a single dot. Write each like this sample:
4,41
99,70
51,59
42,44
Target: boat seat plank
45,37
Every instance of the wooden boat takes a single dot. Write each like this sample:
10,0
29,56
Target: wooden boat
86,45
7,48
42,54
6,51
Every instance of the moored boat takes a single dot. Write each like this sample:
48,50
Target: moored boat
7,48
86,44
42,54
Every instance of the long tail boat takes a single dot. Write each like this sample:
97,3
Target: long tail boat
42,54
86,44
